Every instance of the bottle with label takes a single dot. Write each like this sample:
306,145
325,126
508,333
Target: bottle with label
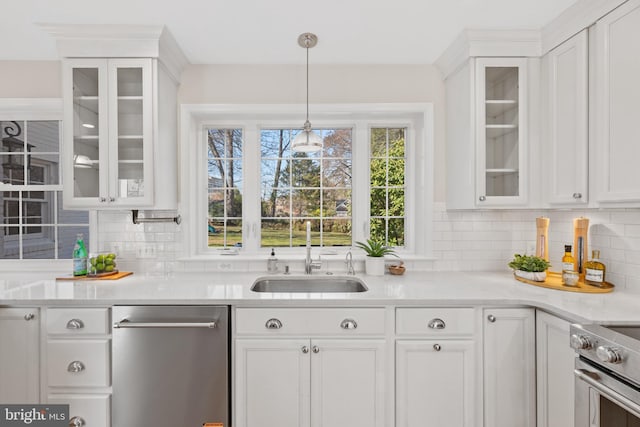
79,256
272,262
569,275
595,270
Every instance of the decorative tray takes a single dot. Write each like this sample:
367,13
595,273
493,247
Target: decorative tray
554,281
113,275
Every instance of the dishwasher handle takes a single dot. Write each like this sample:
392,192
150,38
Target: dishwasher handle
125,323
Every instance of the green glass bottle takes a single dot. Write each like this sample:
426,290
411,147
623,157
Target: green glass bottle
79,257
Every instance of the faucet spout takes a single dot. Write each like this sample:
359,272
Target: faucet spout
349,261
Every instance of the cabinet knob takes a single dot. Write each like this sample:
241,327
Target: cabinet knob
112,199
482,198
76,366
305,349
348,324
103,199
316,349
29,316
75,324
273,324
437,347
437,324
577,196
491,318
77,422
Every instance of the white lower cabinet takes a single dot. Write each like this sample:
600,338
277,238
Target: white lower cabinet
93,409
509,367
19,355
555,364
435,383
332,377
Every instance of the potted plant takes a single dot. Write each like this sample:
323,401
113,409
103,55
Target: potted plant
530,267
374,262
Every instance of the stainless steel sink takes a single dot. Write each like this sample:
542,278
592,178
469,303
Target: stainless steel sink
312,284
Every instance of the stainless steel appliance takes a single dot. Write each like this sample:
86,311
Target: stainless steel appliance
170,366
607,372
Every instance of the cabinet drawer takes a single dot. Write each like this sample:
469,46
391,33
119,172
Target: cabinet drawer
310,321
93,409
435,321
78,363
78,321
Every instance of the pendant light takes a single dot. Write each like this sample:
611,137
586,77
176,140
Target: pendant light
307,141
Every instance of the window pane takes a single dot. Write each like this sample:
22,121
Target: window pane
43,136
305,186
224,169
387,179
70,216
9,243
336,232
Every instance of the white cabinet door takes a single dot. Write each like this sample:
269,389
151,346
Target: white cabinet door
108,133
565,158
616,148
272,382
435,384
347,383
509,367
555,364
19,355
501,99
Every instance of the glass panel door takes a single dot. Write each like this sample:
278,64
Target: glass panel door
130,132
86,131
502,132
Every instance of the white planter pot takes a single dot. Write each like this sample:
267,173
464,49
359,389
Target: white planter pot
374,266
536,277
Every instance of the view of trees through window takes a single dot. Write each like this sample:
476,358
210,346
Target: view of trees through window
387,184
224,166
301,187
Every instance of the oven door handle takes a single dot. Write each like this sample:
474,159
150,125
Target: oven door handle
591,378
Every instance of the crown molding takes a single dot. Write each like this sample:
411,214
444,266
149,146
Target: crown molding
488,43
118,41
579,16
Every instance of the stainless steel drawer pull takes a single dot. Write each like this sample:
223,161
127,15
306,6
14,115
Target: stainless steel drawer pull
76,422
491,318
437,324
124,323
348,324
76,366
273,324
29,316
437,347
75,324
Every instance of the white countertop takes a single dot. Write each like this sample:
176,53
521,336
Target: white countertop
411,289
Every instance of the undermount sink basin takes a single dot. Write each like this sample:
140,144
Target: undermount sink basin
309,284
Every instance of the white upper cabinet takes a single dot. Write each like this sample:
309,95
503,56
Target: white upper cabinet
108,133
565,123
501,131
615,149
120,87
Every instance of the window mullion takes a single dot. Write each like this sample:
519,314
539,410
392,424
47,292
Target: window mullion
360,181
251,208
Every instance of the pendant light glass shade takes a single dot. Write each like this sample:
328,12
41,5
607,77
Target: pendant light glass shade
307,141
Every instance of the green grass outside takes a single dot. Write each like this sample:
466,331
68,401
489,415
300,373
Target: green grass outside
280,238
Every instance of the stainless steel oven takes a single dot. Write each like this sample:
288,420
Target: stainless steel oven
607,376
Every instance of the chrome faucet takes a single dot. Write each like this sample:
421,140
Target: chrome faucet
349,261
309,264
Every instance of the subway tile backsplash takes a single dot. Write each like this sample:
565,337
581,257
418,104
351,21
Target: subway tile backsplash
462,241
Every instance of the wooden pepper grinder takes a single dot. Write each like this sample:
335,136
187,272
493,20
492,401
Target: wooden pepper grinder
580,249
542,238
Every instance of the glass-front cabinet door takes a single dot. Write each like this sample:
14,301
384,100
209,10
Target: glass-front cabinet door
108,133
501,131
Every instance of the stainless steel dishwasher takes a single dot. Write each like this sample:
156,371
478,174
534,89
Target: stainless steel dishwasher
170,366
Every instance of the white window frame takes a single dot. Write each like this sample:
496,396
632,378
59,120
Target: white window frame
40,109
196,118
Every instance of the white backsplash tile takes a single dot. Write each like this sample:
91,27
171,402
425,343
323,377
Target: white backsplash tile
462,241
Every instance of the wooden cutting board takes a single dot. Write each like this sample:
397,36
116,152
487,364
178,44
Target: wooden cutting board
114,276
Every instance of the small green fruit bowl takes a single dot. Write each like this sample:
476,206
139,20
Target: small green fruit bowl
101,264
